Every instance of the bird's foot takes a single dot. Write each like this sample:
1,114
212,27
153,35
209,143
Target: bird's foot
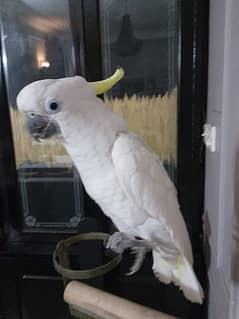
118,242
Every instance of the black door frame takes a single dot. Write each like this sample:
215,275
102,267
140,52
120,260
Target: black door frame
191,118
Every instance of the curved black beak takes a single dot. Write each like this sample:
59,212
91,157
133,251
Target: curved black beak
41,126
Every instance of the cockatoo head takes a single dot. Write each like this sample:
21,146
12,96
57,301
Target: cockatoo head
46,102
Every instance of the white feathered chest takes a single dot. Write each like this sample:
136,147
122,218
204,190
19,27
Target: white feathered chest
99,177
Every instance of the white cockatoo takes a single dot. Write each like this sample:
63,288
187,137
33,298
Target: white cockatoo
124,177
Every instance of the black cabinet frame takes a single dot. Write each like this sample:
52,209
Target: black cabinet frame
193,59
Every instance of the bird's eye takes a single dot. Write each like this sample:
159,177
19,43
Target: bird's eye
52,106
31,114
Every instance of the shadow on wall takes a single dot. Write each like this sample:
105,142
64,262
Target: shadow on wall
235,252
206,239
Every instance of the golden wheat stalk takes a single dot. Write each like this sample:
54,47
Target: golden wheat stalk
152,118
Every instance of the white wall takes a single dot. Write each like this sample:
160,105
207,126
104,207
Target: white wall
222,167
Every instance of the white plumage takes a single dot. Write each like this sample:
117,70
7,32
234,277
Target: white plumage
120,173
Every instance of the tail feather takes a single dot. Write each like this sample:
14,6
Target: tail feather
161,269
181,274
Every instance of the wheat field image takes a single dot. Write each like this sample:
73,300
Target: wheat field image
154,119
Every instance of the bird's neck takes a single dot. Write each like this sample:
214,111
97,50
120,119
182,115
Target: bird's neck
89,136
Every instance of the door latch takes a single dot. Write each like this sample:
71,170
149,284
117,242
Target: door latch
209,136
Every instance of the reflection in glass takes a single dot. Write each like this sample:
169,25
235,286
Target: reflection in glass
37,44
144,40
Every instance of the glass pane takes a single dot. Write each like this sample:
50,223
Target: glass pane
144,39
37,44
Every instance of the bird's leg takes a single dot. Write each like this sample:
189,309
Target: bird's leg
118,242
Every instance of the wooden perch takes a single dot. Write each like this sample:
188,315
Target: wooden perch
105,305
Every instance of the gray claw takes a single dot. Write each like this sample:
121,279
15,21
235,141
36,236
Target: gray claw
118,242
140,253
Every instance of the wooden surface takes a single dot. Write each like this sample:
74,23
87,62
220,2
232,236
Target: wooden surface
106,305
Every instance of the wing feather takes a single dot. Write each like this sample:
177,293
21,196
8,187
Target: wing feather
145,180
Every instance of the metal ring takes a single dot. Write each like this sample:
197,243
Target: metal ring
61,253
